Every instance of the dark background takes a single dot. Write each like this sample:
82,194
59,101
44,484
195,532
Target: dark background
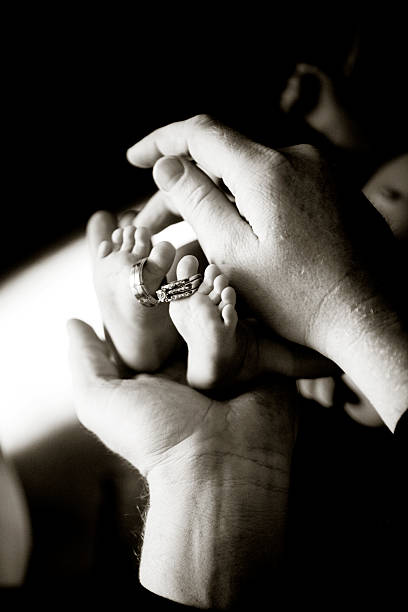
81,87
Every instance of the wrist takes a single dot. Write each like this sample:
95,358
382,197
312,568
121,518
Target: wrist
365,336
207,531
377,363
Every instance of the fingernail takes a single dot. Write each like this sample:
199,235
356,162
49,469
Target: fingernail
167,172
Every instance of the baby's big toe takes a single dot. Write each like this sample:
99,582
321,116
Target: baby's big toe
158,264
143,242
187,266
99,229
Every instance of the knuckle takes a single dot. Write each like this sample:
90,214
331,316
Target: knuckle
276,159
202,120
144,386
305,164
307,150
199,195
308,154
212,126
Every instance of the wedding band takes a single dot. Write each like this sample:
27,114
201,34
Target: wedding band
137,287
179,289
176,290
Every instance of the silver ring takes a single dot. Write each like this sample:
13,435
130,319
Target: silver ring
179,289
176,290
137,287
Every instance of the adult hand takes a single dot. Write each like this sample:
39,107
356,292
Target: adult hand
277,240
218,471
300,249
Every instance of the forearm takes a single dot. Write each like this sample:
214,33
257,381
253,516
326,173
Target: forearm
368,339
209,534
378,365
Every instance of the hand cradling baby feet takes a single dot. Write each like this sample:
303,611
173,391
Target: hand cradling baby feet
144,337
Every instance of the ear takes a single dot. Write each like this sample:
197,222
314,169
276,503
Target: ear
302,92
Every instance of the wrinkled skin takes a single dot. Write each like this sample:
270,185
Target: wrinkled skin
276,241
157,419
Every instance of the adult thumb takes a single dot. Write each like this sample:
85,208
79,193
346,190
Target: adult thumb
201,203
89,356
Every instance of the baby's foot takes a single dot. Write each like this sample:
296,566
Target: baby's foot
142,337
208,322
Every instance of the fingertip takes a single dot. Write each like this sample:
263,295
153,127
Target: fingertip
79,330
132,157
129,156
68,327
72,324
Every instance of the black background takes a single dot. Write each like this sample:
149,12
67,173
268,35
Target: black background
81,86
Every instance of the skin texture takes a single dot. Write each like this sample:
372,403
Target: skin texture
296,236
143,339
220,469
275,224
312,95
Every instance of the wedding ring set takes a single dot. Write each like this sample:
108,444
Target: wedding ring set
176,290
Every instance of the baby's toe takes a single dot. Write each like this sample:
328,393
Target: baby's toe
117,238
158,264
128,240
229,315
228,296
99,228
143,242
210,274
220,283
104,249
187,266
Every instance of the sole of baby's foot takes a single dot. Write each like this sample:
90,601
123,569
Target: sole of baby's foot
209,324
141,337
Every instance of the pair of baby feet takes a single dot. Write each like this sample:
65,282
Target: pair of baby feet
143,337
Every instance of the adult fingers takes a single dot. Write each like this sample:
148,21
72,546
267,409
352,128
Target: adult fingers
321,390
99,403
220,151
294,360
89,358
304,362
199,201
157,214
